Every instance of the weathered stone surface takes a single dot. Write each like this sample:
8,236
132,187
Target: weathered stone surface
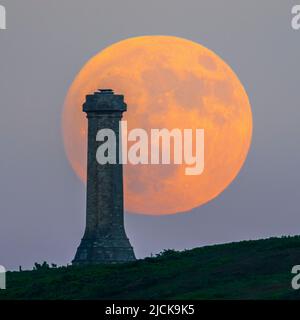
104,240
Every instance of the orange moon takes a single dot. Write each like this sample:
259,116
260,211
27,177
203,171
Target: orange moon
168,82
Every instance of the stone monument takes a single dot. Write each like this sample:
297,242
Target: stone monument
104,240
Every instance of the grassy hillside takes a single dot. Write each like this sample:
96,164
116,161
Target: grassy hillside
245,270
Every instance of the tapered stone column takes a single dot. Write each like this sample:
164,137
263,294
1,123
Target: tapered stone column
104,240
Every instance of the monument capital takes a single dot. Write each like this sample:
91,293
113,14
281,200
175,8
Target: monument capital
104,101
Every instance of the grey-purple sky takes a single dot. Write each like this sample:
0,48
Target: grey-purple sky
42,206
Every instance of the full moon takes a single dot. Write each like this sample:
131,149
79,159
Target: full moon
168,82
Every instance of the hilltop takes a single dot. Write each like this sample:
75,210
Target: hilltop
259,269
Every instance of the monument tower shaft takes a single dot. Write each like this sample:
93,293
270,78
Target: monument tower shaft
104,240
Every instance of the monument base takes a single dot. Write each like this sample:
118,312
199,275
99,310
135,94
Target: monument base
103,251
